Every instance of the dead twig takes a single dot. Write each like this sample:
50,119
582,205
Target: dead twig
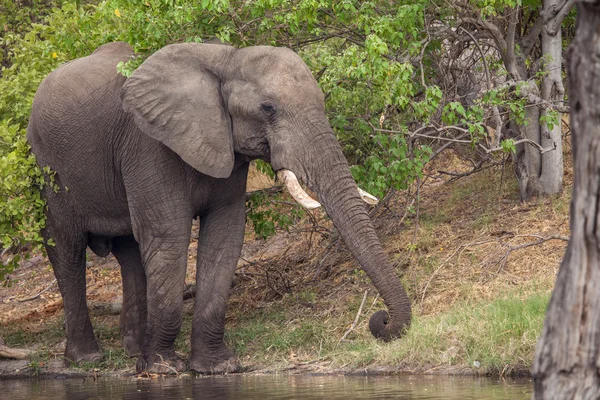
162,363
372,304
356,318
510,248
35,296
328,250
270,190
459,249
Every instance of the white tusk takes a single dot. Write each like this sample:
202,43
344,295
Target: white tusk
293,186
368,197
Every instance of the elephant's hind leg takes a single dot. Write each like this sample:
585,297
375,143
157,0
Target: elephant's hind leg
67,256
134,310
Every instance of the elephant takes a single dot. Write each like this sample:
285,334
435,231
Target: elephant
134,160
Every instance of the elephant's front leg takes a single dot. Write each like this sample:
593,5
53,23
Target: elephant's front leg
164,256
219,247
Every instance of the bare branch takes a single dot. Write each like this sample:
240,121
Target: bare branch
502,261
420,135
492,29
356,318
541,149
556,16
511,59
496,113
35,296
460,249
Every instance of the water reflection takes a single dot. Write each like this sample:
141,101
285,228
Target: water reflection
271,387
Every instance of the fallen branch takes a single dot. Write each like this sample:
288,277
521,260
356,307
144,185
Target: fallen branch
16,354
460,248
502,260
356,318
510,248
35,296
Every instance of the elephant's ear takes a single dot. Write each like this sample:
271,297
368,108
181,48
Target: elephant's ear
175,98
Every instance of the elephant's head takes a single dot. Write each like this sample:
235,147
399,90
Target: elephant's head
209,103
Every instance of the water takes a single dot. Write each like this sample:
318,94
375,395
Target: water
268,387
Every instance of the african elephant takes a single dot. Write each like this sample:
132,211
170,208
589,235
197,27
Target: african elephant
136,159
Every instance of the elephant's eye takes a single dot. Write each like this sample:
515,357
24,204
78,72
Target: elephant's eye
268,109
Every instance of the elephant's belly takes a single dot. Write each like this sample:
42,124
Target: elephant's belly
109,227
105,215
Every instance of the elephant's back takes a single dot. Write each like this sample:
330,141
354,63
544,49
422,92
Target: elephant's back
75,122
83,93
77,108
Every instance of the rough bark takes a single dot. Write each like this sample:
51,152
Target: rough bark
567,359
553,91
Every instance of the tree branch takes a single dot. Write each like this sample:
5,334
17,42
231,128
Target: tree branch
559,15
496,113
511,60
356,318
35,296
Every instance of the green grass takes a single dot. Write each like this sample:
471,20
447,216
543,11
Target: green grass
45,334
498,335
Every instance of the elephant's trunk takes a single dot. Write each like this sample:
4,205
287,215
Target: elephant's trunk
328,174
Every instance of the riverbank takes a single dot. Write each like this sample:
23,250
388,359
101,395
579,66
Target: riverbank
479,269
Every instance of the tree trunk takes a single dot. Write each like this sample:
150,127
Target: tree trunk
542,174
553,91
567,360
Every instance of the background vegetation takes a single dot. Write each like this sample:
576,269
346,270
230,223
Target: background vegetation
403,80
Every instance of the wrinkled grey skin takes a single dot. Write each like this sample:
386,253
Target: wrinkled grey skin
141,157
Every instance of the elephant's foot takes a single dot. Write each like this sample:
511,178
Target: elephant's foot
223,363
76,356
228,366
131,346
161,365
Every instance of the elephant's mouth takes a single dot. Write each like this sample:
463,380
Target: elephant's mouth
293,186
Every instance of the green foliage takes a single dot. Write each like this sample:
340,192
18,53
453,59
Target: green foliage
374,61
16,17
391,166
551,118
271,213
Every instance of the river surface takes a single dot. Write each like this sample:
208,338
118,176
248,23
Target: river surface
262,387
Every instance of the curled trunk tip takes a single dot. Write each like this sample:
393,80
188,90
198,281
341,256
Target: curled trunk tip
382,328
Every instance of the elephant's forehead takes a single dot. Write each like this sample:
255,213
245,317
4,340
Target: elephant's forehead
280,71
265,59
